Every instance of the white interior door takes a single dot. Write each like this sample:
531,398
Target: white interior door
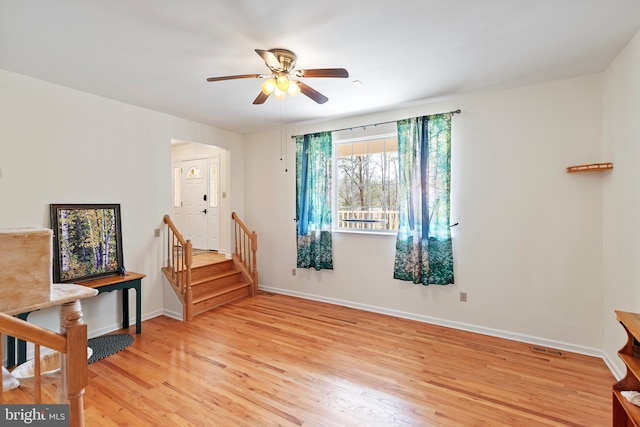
195,205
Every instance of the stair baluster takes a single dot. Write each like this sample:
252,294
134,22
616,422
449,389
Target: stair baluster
246,246
178,269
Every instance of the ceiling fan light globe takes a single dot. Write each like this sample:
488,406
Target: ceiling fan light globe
294,89
283,83
279,94
268,86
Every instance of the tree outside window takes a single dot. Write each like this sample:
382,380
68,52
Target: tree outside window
367,184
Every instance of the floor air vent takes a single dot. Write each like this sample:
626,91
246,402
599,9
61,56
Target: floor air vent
269,294
545,350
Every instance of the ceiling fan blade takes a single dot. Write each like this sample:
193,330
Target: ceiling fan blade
312,93
323,72
260,98
269,58
239,76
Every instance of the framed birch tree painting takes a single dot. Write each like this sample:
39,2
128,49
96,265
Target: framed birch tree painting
87,241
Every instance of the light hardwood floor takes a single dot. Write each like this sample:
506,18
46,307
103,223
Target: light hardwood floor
274,360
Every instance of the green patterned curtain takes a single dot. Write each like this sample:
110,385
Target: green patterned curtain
313,200
423,246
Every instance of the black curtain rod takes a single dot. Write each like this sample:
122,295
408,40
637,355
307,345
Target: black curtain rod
374,124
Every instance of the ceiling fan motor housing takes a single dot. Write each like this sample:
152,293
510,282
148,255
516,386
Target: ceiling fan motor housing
286,58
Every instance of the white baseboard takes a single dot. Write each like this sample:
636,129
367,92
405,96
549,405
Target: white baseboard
617,373
173,314
115,326
588,351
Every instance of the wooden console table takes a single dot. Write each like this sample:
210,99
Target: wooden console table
103,284
130,280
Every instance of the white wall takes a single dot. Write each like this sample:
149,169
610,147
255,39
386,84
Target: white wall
64,146
528,250
621,195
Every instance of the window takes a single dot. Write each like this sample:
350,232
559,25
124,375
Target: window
367,183
177,187
213,185
194,173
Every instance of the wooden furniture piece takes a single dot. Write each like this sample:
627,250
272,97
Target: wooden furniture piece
25,267
130,280
71,343
625,413
103,284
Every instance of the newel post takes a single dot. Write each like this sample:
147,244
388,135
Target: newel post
73,363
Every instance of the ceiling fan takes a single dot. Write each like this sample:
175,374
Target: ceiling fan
283,78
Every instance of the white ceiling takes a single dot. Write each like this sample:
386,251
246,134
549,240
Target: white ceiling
157,54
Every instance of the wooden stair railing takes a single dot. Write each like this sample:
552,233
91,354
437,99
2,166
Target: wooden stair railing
72,345
246,246
178,268
181,273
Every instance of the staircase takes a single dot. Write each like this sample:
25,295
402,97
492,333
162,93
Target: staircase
216,284
208,280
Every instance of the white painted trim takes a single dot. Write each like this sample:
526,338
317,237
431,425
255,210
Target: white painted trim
173,314
588,351
117,326
618,374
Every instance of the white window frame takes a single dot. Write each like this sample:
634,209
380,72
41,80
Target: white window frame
389,132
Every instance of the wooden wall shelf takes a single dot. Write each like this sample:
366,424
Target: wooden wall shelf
591,167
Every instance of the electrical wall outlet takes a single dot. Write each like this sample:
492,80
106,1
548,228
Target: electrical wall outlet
463,296
156,232
293,271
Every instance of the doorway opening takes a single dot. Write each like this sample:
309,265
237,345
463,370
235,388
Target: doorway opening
200,194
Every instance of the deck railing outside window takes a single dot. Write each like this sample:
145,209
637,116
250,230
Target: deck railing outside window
368,220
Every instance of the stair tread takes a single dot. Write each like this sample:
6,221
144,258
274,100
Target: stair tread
213,277
212,263
220,291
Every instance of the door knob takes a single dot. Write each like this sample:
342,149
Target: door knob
204,211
